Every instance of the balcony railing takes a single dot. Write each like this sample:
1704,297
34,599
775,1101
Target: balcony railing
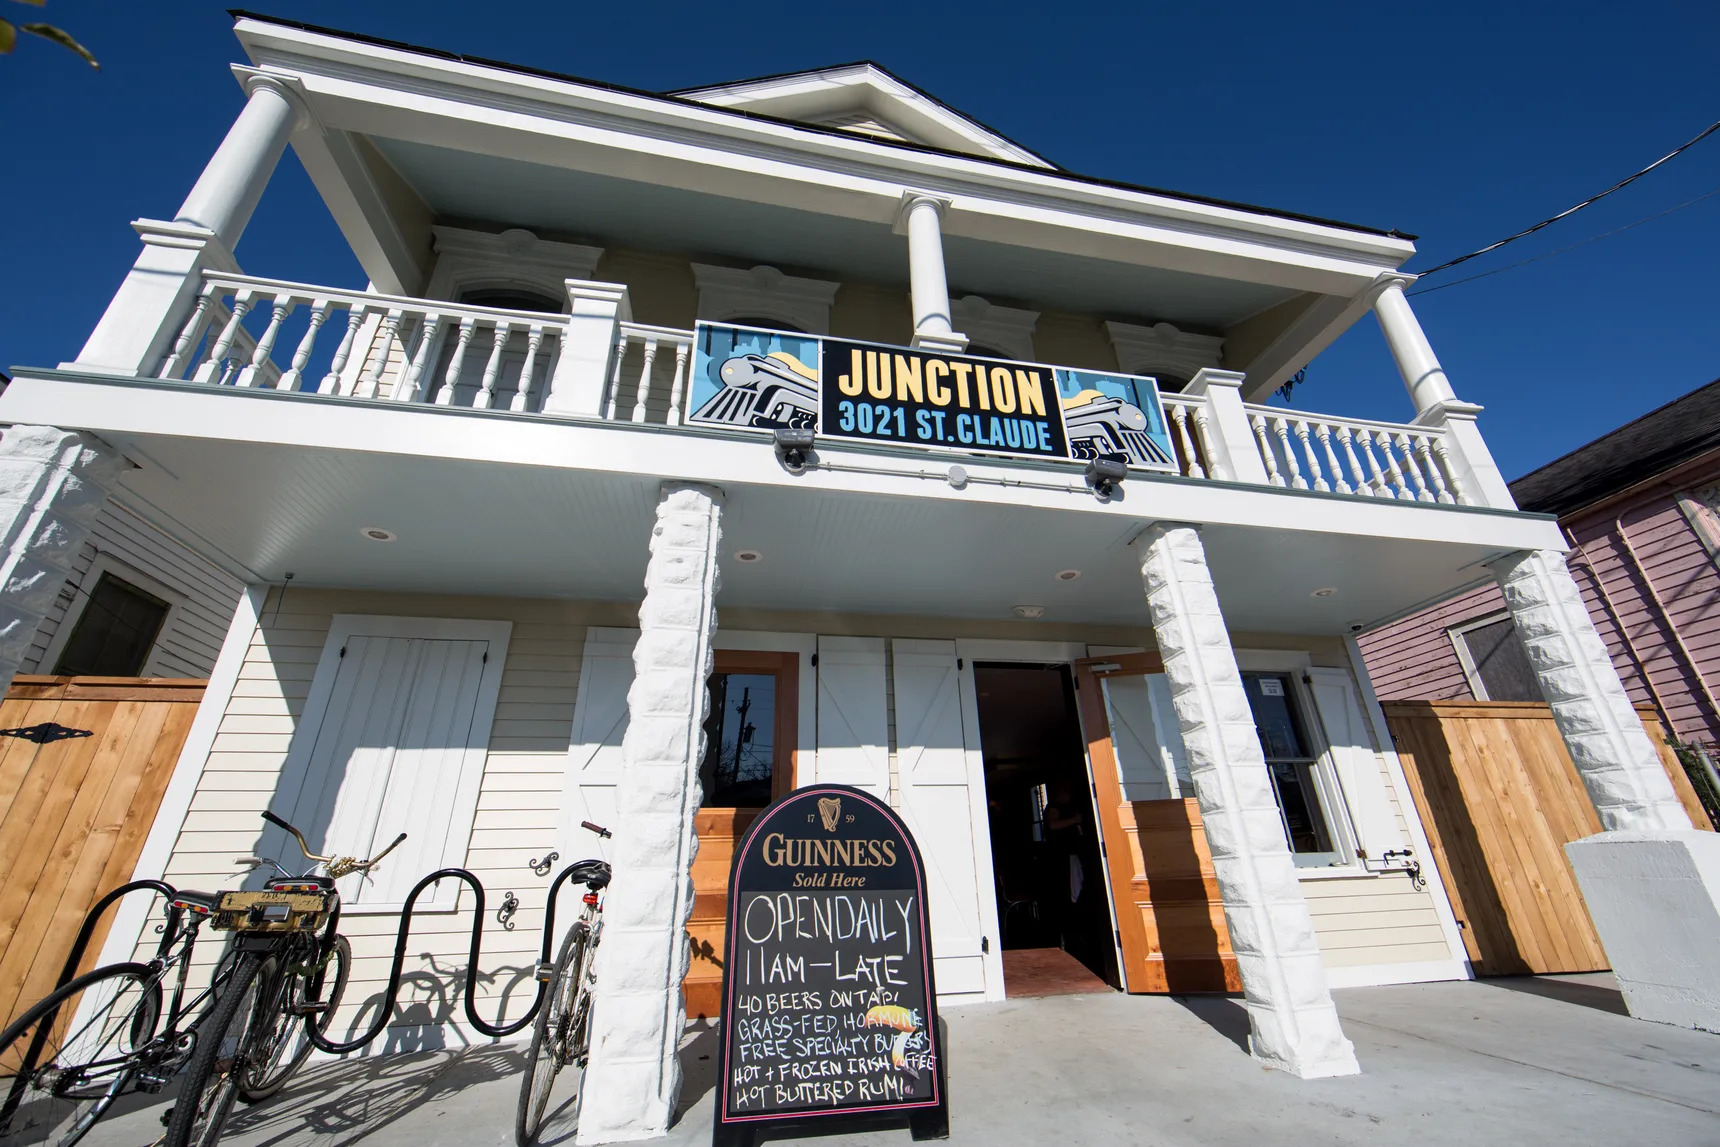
361,345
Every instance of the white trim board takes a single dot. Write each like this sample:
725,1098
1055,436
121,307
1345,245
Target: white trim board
1413,972
132,913
805,645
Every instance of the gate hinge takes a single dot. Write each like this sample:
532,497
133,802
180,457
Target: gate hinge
985,943
46,733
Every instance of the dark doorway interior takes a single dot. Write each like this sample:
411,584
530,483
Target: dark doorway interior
1051,895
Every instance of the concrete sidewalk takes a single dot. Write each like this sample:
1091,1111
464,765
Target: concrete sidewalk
1522,1061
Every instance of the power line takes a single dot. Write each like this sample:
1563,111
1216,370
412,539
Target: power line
1568,246
1569,211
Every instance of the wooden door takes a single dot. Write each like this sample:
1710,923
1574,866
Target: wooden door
1499,799
1170,916
718,827
74,810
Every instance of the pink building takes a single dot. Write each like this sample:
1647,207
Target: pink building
1640,508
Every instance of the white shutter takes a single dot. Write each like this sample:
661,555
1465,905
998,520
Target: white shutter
393,740
594,756
1151,763
940,795
1354,761
853,721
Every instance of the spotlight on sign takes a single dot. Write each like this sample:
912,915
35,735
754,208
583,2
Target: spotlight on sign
1104,475
794,448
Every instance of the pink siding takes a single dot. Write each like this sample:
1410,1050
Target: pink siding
1674,562
1414,659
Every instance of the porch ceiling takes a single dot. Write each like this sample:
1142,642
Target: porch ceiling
613,211
533,531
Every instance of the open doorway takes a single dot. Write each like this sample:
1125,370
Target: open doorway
1053,907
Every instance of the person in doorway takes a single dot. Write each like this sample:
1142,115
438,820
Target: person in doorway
1065,876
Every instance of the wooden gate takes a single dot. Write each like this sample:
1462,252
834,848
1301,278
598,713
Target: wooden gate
1499,799
76,803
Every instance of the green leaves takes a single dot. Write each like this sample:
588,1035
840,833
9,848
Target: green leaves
9,36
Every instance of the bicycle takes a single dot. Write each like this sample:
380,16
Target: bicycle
562,1036
102,1034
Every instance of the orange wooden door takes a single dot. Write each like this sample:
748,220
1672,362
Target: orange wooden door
1170,916
719,826
74,811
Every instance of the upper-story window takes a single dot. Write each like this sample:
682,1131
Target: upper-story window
511,300
765,297
1495,661
115,632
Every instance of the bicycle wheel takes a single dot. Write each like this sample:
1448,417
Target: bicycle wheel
283,1047
562,1035
63,1062
226,1037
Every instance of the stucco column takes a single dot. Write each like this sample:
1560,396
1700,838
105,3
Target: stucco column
53,484
1293,1023
1607,743
634,1077
1422,374
233,181
921,217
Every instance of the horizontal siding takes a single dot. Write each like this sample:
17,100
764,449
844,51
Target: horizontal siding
1383,920
189,644
1413,659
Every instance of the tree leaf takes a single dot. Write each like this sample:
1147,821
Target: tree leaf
62,38
8,37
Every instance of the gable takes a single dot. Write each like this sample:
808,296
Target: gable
866,100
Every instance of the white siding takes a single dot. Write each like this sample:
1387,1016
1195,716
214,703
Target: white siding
207,595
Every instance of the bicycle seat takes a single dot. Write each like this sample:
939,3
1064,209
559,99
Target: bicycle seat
202,902
594,874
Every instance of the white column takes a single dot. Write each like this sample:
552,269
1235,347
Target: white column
234,178
584,369
1235,453
53,485
921,216
1293,1022
634,1077
1607,743
1416,361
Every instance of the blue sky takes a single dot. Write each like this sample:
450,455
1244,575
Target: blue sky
1459,122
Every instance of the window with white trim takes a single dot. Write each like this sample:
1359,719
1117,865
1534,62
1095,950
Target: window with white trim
115,632
1494,660
1309,801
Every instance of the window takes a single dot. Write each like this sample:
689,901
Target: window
1495,661
750,729
115,632
764,324
1303,790
511,300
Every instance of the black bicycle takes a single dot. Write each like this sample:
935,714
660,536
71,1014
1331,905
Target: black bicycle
105,1033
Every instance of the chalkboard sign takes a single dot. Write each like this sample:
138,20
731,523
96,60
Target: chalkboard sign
829,1009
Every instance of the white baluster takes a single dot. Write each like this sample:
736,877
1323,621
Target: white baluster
486,396
214,369
410,386
615,380
372,381
331,381
1203,432
188,337
1312,457
1281,427
1273,478
1179,417
1412,467
1394,477
1439,452
319,314
1361,475
1323,431
522,393
681,350
1424,453
266,345
451,376
644,391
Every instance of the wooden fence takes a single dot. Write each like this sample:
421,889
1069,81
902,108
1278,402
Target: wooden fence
77,797
1500,798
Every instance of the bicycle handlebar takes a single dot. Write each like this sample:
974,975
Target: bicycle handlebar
346,864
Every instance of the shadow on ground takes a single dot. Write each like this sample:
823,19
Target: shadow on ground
1226,1016
1596,996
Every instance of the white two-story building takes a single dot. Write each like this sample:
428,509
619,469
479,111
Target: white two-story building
533,535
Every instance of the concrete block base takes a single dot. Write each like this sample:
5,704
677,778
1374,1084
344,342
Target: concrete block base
1655,899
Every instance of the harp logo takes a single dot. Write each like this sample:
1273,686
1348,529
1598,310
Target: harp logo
830,811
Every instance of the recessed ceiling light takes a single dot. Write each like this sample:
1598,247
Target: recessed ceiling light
1029,611
377,534
748,556
1068,575
1324,591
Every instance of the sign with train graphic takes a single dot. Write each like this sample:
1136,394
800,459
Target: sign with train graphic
752,378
